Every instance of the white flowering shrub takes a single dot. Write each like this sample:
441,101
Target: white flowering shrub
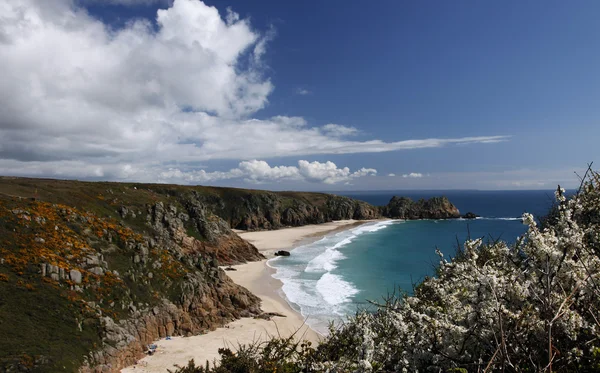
530,307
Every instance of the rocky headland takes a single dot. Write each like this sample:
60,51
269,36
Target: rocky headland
90,273
433,208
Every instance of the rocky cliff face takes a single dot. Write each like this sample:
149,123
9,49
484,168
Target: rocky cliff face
102,289
205,303
214,235
433,208
268,210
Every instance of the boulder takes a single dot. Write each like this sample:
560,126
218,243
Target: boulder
97,271
75,276
282,253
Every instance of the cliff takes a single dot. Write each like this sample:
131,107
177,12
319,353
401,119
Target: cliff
92,272
90,275
252,210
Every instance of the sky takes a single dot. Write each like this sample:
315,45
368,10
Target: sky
301,95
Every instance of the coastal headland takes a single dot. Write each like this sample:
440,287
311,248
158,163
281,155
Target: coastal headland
94,272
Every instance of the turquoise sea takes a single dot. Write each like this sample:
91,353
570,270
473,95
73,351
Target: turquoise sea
332,277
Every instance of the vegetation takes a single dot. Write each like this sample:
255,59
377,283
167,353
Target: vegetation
73,256
531,307
104,198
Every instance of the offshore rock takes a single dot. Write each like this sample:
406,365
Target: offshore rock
470,215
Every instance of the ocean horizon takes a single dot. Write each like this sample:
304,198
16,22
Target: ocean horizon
333,277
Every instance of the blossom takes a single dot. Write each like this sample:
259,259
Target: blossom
496,304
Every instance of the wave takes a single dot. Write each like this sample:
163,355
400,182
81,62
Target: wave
334,289
309,284
326,262
366,228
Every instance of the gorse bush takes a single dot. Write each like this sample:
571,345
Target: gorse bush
530,307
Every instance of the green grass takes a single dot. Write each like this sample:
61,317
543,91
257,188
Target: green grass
41,324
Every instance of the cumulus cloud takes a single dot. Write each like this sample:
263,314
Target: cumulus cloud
391,175
413,175
129,2
256,171
81,99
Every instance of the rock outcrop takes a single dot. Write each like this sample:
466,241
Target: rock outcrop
433,208
214,235
203,306
470,215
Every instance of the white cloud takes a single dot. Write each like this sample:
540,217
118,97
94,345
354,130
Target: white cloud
130,2
147,97
329,173
303,91
336,130
256,171
391,175
413,175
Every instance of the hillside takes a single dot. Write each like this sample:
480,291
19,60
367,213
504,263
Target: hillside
92,272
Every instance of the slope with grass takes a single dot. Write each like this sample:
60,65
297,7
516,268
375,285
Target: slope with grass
86,281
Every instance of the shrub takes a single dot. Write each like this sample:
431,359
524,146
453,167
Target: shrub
529,307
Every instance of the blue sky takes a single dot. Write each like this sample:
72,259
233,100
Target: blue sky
512,85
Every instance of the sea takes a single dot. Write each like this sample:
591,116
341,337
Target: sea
331,278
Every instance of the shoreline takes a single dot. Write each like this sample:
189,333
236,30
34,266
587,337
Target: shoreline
256,277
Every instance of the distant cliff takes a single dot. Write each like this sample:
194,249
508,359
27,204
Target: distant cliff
252,210
433,208
92,272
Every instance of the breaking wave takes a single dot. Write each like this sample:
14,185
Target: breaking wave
310,283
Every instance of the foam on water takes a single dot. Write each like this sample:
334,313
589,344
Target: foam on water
309,283
334,289
326,261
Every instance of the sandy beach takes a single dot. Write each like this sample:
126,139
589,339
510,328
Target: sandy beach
256,277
